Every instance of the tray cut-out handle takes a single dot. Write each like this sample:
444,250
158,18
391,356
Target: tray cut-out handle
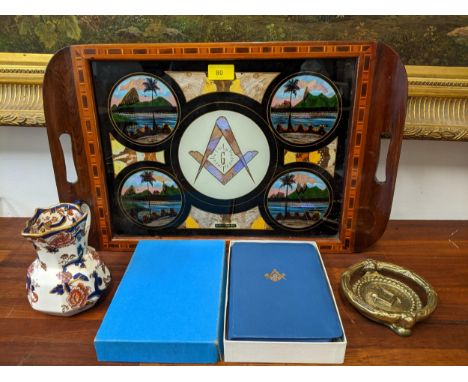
386,119
62,115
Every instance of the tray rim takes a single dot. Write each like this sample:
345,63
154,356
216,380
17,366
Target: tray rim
80,56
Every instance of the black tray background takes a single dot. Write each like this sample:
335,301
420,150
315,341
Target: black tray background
341,71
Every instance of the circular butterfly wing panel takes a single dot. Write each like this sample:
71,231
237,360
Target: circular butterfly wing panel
151,197
304,110
143,109
298,198
224,155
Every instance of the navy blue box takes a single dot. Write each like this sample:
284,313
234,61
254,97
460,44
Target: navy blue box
279,305
278,291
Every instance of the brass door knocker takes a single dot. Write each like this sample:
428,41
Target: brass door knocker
385,299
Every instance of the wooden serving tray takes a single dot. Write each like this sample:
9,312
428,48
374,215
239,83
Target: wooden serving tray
283,141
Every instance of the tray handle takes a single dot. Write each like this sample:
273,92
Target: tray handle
62,117
386,120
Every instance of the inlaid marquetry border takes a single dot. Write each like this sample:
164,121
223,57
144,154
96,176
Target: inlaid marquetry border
356,141
83,55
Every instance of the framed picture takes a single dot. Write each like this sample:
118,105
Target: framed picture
261,140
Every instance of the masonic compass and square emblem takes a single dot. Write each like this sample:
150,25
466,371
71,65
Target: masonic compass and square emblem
224,154
223,157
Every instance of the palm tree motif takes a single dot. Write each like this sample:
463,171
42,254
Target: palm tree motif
151,85
287,181
148,178
291,87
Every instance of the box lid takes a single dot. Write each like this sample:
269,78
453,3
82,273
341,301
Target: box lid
279,292
168,307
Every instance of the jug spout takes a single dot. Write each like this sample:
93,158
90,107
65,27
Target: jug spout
59,234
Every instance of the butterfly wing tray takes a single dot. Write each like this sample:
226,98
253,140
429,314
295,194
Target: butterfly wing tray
252,140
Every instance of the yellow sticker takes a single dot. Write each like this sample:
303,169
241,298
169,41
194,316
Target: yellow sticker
221,72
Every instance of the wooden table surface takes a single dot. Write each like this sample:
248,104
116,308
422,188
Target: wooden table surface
438,251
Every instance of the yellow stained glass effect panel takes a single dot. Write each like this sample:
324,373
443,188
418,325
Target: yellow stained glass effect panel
123,156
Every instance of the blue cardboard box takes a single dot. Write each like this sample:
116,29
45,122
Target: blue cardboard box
169,305
279,305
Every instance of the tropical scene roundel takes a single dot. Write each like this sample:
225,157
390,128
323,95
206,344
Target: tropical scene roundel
143,109
304,109
151,198
298,199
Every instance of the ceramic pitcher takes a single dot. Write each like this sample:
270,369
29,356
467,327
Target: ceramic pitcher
67,276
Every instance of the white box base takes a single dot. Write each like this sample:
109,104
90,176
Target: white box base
284,351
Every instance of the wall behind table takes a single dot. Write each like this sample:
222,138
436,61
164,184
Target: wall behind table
26,175
432,179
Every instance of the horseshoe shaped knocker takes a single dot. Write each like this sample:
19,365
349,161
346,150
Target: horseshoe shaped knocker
385,299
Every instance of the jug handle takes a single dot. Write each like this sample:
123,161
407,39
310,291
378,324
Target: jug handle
85,208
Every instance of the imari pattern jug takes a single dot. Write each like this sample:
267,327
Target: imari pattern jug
67,276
